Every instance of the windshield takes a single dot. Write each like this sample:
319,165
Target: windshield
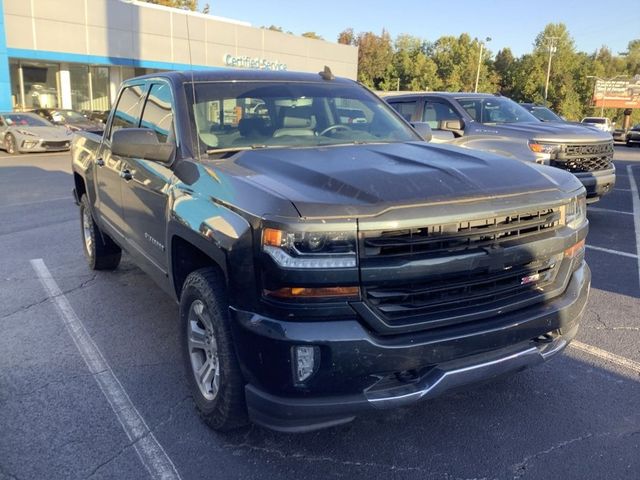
495,110
25,120
594,120
62,116
231,116
545,115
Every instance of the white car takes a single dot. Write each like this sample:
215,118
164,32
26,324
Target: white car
601,123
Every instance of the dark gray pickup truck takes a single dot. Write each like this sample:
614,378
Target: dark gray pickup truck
498,125
328,261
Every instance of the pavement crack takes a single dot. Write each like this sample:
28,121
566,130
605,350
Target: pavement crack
134,442
24,308
46,385
520,469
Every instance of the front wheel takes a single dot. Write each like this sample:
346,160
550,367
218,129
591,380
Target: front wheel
10,144
212,367
100,250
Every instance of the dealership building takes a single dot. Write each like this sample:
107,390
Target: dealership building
74,53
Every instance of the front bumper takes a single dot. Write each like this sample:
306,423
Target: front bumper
361,372
40,145
597,183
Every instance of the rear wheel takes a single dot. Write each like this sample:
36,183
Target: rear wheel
10,144
213,370
100,251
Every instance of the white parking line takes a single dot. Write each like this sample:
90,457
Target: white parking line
614,252
150,452
608,210
607,356
636,212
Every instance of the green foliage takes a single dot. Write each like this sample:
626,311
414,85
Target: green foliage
312,35
451,64
182,4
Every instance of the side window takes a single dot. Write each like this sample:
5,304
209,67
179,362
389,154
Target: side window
406,109
127,113
157,114
436,112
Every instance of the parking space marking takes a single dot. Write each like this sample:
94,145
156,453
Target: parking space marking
636,211
607,356
614,252
149,450
607,210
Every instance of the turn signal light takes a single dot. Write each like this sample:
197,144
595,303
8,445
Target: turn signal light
322,292
272,237
574,250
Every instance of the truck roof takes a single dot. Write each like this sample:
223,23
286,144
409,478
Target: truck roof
442,94
230,74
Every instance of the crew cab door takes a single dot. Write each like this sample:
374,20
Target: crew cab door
446,124
109,167
145,184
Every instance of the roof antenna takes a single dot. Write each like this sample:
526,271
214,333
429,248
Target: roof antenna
193,89
327,74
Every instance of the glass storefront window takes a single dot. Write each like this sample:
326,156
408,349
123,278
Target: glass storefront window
41,88
80,87
100,88
34,85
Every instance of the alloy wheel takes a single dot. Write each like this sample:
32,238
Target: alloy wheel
203,350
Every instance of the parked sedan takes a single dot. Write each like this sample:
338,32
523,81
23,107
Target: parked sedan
28,132
71,119
633,136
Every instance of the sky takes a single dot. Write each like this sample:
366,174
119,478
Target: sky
514,24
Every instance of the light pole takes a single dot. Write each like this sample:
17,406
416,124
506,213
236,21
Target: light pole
604,92
488,39
551,45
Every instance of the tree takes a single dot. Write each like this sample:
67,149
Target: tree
312,35
374,57
411,68
182,4
504,66
347,37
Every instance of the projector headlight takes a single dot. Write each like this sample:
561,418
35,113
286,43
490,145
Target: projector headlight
576,211
310,249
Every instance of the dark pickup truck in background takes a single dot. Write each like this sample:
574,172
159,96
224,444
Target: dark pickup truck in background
496,124
328,261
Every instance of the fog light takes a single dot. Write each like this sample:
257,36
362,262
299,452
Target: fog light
29,144
305,361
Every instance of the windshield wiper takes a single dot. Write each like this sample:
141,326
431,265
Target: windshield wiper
242,148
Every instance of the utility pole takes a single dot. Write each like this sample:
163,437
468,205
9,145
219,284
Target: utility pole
551,45
488,39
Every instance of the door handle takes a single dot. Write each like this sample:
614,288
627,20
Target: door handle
100,162
126,175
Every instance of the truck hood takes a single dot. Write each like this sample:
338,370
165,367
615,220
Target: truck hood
364,180
45,132
552,132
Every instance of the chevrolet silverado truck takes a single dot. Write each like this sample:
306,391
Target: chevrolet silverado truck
496,124
323,267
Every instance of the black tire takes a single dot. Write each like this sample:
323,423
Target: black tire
225,409
10,144
100,250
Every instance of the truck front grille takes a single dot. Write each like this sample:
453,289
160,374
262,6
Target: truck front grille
450,289
462,293
447,239
578,158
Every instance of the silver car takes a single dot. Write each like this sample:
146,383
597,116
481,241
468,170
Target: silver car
28,132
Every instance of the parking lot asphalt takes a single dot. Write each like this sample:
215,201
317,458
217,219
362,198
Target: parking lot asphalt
577,416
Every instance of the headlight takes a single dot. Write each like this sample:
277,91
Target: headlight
310,249
543,148
26,133
576,212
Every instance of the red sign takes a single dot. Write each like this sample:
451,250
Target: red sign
617,93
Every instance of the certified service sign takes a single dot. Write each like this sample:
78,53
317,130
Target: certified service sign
253,62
